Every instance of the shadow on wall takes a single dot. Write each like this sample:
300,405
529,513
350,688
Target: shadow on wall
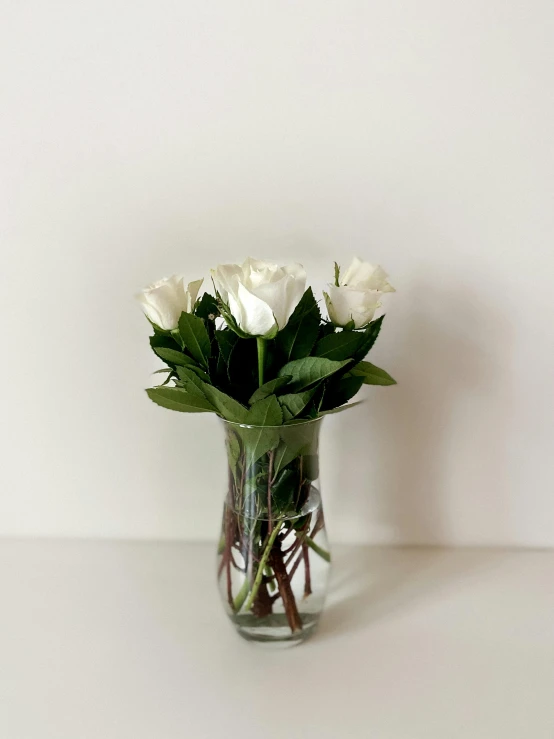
430,454
425,462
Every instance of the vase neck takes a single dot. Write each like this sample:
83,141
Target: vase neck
273,471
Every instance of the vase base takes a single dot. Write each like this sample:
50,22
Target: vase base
274,631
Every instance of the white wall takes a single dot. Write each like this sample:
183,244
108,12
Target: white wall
143,138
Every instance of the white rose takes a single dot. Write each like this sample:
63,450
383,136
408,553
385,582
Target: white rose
261,296
165,300
356,297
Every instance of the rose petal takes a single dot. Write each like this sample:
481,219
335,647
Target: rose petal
346,304
253,315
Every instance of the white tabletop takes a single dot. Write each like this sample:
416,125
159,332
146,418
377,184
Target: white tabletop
106,640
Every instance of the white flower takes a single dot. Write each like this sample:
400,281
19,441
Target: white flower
165,300
261,296
356,297
364,276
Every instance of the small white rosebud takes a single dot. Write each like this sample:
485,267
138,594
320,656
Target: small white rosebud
165,300
357,296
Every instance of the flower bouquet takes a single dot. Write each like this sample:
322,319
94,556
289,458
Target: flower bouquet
258,354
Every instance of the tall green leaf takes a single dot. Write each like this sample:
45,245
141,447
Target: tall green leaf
295,441
284,454
307,371
326,329
268,388
339,346
187,374
226,406
265,415
258,441
266,412
193,384
173,356
226,340
294,403
233,453
164,341
341,408
369,338
177,399
199,372
299,335
195,337
372,375
339,391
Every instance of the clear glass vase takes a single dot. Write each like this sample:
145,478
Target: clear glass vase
273,555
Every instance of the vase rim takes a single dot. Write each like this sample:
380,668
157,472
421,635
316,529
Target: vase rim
281,426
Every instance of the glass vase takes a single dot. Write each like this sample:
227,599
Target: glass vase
273,555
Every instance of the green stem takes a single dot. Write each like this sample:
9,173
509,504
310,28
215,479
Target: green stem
261,566
261,342
317,549
241,596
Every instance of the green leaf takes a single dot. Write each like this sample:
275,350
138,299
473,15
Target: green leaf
369,338
339,346
226,406
188,375
296,440
157,329
163,340
193,384
178,338
226,340
195,337
284,489
326,329
257,442
337,274
372,375
341,408
199,372
307,371
179,400
340,390
269,388
299,335
173,356
166,370
294,403
165,382
233,447
266,412
233,453
284,455
206,307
